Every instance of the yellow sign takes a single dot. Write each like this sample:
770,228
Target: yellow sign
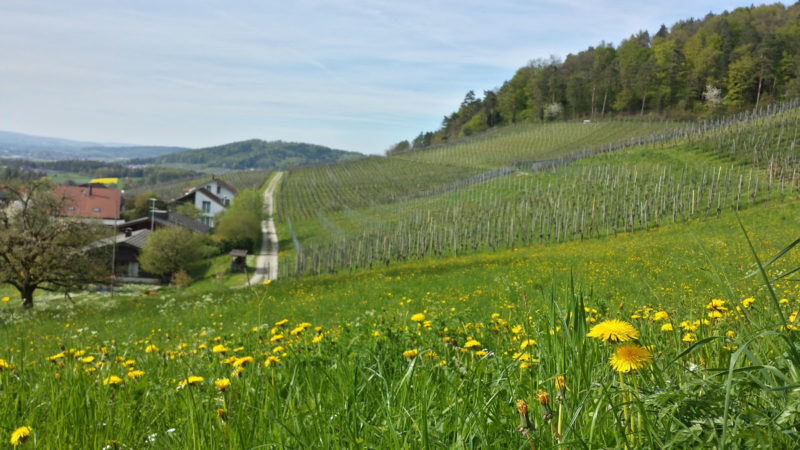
105,180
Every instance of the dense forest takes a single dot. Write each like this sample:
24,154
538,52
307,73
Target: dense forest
254,153
697,68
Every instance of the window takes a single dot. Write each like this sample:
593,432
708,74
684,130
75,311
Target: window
219,189
97,210
206,206
71,208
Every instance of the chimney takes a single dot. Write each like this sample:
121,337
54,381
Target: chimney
128,232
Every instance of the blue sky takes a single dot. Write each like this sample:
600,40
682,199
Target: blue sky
349,74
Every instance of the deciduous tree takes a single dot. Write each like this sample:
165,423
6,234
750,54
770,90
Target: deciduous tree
40,249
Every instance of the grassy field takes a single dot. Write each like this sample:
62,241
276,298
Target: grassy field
434,353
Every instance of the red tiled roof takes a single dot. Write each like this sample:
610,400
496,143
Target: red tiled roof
88,201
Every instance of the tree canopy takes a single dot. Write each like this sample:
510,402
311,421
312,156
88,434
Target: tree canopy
240,225
171,249
751,55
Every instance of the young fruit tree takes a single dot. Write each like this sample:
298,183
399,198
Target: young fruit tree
41,249
172,249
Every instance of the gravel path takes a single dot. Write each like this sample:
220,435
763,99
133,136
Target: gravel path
267,259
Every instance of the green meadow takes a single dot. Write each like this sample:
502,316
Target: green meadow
342,360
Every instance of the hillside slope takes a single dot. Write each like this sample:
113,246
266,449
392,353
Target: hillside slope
255,154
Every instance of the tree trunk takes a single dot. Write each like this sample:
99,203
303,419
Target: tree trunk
760,81
603,111
644,99
27,296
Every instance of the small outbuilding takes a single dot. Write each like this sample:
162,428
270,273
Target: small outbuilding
238,260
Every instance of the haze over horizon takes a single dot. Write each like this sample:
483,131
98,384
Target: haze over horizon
351,75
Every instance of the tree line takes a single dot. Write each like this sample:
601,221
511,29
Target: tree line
697,68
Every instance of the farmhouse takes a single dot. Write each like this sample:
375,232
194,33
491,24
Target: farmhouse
211,198
88,201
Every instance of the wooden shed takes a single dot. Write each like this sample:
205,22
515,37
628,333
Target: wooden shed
238,260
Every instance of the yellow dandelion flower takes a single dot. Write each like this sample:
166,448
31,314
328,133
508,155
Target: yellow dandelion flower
296,331
20,435
517,329
219,348
748,301
87,359
525,365
317,339
5,365
614,331
281,323
222,383
689,337
521,357
526,343
418,317
190,381
410,353
480,353
112,380
472,343
376,333
666,327
276,338
55,357
661,315
267,282
716,305
243,361
151,349
271,360
134,374
630,357
278,349
5,299
561,383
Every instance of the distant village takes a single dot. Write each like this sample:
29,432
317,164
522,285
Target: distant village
96,201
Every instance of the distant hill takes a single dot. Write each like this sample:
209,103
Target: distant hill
25,146
254,154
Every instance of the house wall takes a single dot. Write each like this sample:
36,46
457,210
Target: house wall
214,208
220,191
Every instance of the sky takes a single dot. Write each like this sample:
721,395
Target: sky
349,74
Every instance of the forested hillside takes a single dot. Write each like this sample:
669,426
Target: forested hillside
255,153
696,68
